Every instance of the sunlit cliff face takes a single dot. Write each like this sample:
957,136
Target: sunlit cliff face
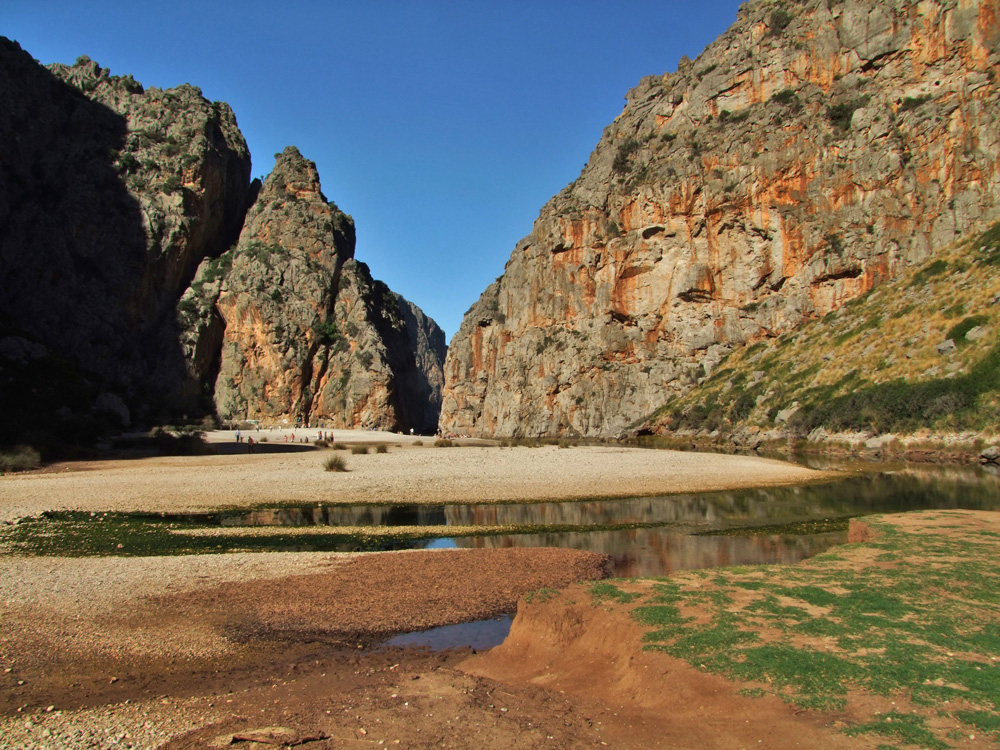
792,167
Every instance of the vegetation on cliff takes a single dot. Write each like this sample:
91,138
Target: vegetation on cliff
919,353
122,215
813,152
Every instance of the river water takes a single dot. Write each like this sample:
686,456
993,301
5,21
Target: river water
652,536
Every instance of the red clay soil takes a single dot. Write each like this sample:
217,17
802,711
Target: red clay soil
638,699
568,677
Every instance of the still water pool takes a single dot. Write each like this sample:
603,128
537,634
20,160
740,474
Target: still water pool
652,536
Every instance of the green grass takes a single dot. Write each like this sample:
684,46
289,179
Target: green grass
957,332
920,620
907,728
334,463
19,458
541,595
604,590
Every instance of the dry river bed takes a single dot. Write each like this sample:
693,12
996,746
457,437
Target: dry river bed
199,651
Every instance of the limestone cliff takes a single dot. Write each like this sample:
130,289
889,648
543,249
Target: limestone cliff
135,283
814,150
110,196
309,336
425,381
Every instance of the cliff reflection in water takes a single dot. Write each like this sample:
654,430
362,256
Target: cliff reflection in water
652,536
674,545
657,552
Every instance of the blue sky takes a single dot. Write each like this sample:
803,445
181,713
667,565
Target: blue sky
442,127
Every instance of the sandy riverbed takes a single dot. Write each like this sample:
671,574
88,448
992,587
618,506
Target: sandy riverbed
406,474
135,652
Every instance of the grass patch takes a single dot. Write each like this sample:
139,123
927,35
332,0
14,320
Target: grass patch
957,332
541,595
902,406
359,450
444,443
603,591
334,463
380,448
909,729
918,620
19,458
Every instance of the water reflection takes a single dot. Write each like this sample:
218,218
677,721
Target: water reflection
677,531
650,553
479,634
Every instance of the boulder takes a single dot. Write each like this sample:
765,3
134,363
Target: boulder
946,347
990,455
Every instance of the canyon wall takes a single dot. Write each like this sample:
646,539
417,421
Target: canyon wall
110,196
812,151
309,336
135,286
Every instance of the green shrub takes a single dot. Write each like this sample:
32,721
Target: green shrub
321,443
957,332
936,268
840,114
184,444
326,332
785,97
418,442
334,463
836,243
172,184
19,458
381,448
912,102
359,450
623,159
780,19
988,243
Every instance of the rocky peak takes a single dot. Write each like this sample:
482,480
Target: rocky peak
813,150
309,336
111,197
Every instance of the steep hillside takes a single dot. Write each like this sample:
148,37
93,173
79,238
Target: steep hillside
814,151
920,354
135,286
110,196
309,335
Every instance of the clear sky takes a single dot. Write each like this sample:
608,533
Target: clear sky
442,126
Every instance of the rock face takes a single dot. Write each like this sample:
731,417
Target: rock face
110,196
133,281
309,336
425,382
813,150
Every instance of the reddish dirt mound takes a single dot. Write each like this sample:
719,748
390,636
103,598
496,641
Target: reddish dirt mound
372,596
640,699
